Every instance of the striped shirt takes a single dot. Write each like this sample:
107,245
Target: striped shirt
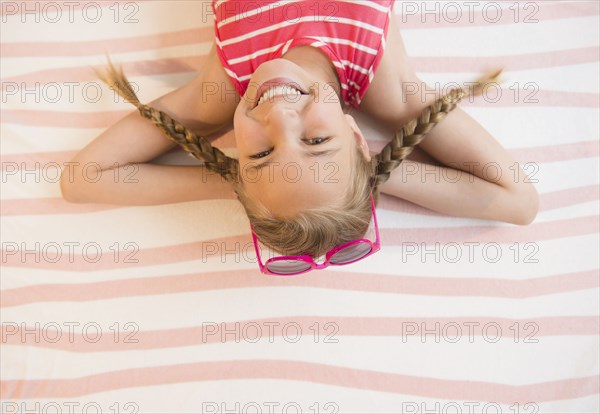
351,33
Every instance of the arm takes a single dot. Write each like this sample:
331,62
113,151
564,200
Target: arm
478,177
123,151
459,143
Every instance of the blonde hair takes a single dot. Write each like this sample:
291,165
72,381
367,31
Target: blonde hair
315,231
312,231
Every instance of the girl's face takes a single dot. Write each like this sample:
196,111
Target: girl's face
296,147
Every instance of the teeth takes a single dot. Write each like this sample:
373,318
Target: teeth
279,91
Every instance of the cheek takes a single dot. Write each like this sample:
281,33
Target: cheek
238,114
328,95
330,114
328,105
246,133
240,126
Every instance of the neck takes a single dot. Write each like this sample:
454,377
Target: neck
317,64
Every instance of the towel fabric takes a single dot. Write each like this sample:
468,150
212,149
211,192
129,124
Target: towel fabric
162,308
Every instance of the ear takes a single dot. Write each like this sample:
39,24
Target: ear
361,142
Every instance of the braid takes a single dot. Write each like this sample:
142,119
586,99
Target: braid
412,134
199,147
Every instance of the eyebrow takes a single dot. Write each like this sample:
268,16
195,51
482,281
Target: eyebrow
310,154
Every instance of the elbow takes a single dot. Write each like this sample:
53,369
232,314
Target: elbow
70,189
525,217
529,204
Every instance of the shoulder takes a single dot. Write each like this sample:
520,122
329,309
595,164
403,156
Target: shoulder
215,91
386,99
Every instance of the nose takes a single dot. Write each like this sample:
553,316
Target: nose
283,118
282,110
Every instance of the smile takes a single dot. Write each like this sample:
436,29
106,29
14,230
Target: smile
277,88
271,93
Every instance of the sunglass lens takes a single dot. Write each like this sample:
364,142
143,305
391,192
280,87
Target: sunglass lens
287,267
351,253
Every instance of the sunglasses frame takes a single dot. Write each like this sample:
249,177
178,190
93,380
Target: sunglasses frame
375,247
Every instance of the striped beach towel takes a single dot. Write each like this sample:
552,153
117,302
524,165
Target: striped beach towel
162,308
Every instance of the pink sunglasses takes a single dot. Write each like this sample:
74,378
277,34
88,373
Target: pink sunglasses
344,254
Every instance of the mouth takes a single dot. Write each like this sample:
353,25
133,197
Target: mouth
278,88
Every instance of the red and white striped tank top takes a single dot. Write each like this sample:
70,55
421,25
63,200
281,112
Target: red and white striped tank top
351,33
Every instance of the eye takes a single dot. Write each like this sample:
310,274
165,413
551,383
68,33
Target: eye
317,141
261,154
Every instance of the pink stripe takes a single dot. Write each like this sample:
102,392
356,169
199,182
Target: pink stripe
54,205
241,247
335,280
529,13
541,60
569,197
309,372
85,73
61,119
112,46
548,201
559,152
31,160
43,206
526,331
451,64
539,154
493,234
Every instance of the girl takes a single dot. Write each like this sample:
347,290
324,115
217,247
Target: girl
294,72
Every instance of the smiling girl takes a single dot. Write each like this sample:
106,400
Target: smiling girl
296,74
